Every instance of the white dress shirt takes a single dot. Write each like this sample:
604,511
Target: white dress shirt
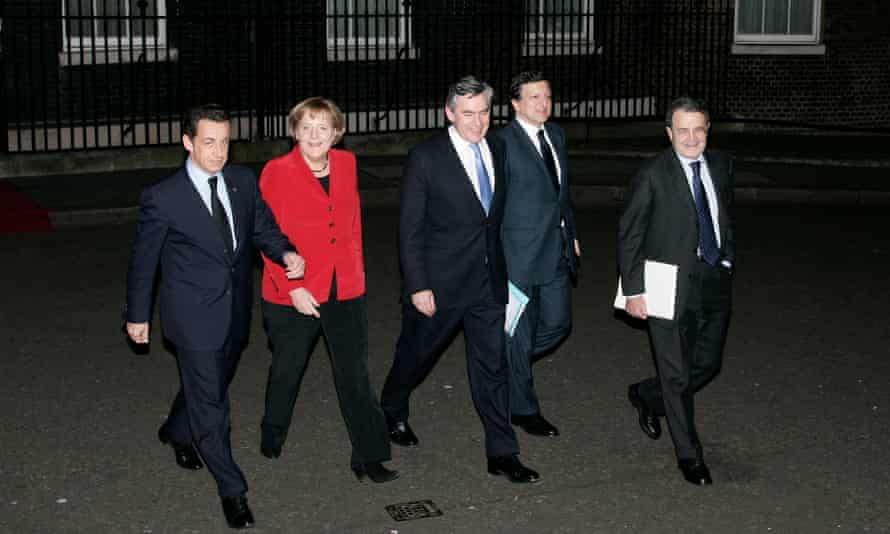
199,180
709,189
468,158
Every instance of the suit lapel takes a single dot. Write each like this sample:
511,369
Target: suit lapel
718,178
198,216
525,141
458,170
681,184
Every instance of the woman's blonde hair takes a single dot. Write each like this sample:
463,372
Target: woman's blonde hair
312,106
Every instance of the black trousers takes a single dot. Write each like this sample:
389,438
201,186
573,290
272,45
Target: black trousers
546,321
422,341
688,355
293,336
200,413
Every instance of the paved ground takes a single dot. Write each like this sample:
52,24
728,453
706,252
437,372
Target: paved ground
795,429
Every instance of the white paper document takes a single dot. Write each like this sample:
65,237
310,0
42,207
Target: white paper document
660,280
516,301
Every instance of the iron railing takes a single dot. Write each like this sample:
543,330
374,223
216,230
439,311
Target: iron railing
86,76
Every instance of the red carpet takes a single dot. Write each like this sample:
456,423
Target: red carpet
19,213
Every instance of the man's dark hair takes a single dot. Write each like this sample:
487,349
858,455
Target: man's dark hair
210,112
467,86
524,77
688,104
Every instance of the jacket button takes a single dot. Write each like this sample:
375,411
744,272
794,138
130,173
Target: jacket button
331,224
330,208
333,240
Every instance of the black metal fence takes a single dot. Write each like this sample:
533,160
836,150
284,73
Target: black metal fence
103,73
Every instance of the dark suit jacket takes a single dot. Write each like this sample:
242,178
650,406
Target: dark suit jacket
533,210
447,244
204,294
659,221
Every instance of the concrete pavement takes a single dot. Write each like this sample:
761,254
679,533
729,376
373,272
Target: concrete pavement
795,428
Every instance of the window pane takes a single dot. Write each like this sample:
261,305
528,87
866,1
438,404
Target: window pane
802,17
750,16
78,13
563,16
376,18
143,18
776,17
110,21
337,9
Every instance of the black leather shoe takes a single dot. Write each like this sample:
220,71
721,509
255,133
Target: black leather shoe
375,471
400,433
270,446
186,455
696,472
648,421
238,514
535,425
512,468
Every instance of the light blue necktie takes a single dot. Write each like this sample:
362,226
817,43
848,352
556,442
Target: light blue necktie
482,175
707,237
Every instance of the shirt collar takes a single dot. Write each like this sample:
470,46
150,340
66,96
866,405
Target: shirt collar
530,129
199,175
686,161
461,144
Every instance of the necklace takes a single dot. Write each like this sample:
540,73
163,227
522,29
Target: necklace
324,168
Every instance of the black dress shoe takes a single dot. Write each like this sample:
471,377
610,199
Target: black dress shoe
512,468
185,453
696,472
270,446
648,421
238,514
535,425
400,433
375,471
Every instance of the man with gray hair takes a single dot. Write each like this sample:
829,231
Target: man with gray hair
454,273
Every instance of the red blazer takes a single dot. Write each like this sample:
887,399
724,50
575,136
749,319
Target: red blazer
327,230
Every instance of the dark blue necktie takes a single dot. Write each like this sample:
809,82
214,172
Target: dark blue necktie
707,238
482,176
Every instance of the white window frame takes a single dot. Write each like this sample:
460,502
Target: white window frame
543,43
98,49
779,43
352,48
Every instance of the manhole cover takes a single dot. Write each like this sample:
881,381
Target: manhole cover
407,511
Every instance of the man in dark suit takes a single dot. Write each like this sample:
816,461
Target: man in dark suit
453,272
679,210
200,225
539,241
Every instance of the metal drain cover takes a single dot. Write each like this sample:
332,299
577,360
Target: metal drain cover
407,511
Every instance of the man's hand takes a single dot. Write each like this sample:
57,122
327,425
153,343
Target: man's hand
636,307
294,265
138,332
577,249
304,302
424,302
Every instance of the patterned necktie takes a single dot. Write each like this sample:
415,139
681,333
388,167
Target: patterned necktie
547,154
707,238
219,216
484,181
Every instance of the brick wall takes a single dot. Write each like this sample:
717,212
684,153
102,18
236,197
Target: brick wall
848,86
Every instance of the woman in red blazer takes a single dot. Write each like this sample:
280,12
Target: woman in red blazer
313,193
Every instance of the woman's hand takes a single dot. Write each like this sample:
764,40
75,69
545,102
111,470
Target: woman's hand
304,302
